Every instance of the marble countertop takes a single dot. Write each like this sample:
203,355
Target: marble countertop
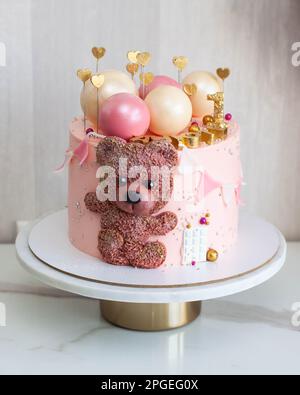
52,332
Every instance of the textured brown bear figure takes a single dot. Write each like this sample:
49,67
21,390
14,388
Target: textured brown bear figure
127,223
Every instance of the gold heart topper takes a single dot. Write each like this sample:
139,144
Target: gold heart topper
146,78
97,80
98,52
132,68
84,74
132,56
190,89
223,73
143,58
180,62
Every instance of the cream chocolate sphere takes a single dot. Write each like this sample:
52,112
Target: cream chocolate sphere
114,82
170,110
207,83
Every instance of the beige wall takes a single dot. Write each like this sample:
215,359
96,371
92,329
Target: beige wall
47,40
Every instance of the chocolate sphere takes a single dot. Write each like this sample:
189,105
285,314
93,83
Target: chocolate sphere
170,110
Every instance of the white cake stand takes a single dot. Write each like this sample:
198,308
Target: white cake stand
157,299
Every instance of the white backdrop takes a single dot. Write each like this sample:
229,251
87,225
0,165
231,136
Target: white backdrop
48,40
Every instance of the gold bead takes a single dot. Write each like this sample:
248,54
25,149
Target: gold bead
189,226
207,119
212,255
194,129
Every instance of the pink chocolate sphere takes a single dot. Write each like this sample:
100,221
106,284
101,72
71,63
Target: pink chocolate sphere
157,81
124,115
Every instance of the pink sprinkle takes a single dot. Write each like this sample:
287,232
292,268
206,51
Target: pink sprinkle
228,117
203,221
193,263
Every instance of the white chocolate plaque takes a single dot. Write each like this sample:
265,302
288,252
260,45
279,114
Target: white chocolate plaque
195,244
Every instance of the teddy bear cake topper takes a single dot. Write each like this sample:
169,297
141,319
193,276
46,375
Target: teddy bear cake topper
129,219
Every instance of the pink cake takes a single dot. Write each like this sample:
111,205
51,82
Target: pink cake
199,219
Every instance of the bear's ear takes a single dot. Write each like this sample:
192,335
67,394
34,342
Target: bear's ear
109,150
163,152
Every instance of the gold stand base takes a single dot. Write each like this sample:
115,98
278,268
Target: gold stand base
150,316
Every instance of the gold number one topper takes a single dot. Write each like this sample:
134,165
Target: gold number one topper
84,75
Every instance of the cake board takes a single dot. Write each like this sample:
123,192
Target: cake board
158,299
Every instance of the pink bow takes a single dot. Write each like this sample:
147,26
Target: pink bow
81,153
